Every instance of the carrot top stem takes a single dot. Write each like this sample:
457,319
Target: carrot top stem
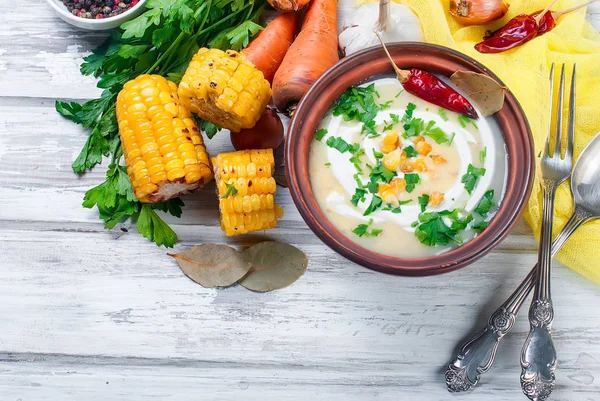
403,75
558,14
541,15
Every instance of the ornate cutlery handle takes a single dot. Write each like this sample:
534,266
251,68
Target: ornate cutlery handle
538,357
477,355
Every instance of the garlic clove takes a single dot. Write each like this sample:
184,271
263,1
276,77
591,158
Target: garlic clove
357,33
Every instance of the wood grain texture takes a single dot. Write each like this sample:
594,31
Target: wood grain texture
89,314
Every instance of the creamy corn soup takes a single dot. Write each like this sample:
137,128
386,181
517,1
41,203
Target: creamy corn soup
402,177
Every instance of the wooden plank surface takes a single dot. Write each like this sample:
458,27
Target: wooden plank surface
88,314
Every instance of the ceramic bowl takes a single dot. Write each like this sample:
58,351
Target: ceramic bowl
96,24
367,65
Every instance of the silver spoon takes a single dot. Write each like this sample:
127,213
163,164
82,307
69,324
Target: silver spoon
477,355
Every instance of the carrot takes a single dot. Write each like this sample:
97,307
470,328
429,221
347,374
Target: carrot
266,52
288,5
312,53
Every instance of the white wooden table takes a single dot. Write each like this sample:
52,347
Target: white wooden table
87,314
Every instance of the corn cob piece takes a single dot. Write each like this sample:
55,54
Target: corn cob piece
246,190
225,89
163,149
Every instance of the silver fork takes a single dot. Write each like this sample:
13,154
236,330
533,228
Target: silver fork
538,357
477,356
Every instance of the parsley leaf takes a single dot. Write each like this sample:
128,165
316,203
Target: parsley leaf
357,151
240,36
412,180
464,121
338,143
359,196
483,154
408,114
380,173
320,134
414,127
479,227
485,204
231,191
209,128
151,226
68,110
423,201
410,151
362,230
471,177
375,204
461,224
431,230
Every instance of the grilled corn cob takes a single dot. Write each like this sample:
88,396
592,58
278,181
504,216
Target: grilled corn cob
163,149
225,89
246,190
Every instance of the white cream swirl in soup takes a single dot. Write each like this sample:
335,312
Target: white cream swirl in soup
402,177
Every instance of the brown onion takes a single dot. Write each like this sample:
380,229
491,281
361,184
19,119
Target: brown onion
477,12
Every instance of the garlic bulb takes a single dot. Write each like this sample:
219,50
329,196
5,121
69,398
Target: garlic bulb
394,22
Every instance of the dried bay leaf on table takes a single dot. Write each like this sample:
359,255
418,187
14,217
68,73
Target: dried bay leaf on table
275,265
486,93
212,265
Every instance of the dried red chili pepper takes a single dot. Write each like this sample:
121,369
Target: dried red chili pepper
547,22
430,88
517,31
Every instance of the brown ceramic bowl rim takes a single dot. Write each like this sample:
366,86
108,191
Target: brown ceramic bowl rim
364,66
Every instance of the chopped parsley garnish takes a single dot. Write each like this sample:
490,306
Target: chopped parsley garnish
387,126
381,173
443,114
378,155
471,177
464,121
362,230
410,151
396,209
231,191
399,93
358,181
482,225
359,196
435,133
320,134
395,118
483,154
451,139
375,204
431,230
373,187
358,103
414,127
327,164
485,204
460,224
357,152
423,202
408,114
412,179
338,143
386,105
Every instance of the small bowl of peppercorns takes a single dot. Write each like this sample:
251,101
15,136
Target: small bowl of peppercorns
97,14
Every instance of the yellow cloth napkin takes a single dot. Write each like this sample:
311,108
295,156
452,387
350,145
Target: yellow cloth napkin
525,70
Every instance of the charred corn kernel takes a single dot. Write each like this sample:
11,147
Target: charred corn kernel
421,165
407,167
225,89
423,148
383,188
390,142
155,150
391,161
246,191
418,139
436,198
398,184
437,159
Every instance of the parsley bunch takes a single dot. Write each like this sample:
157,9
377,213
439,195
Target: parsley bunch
162,41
